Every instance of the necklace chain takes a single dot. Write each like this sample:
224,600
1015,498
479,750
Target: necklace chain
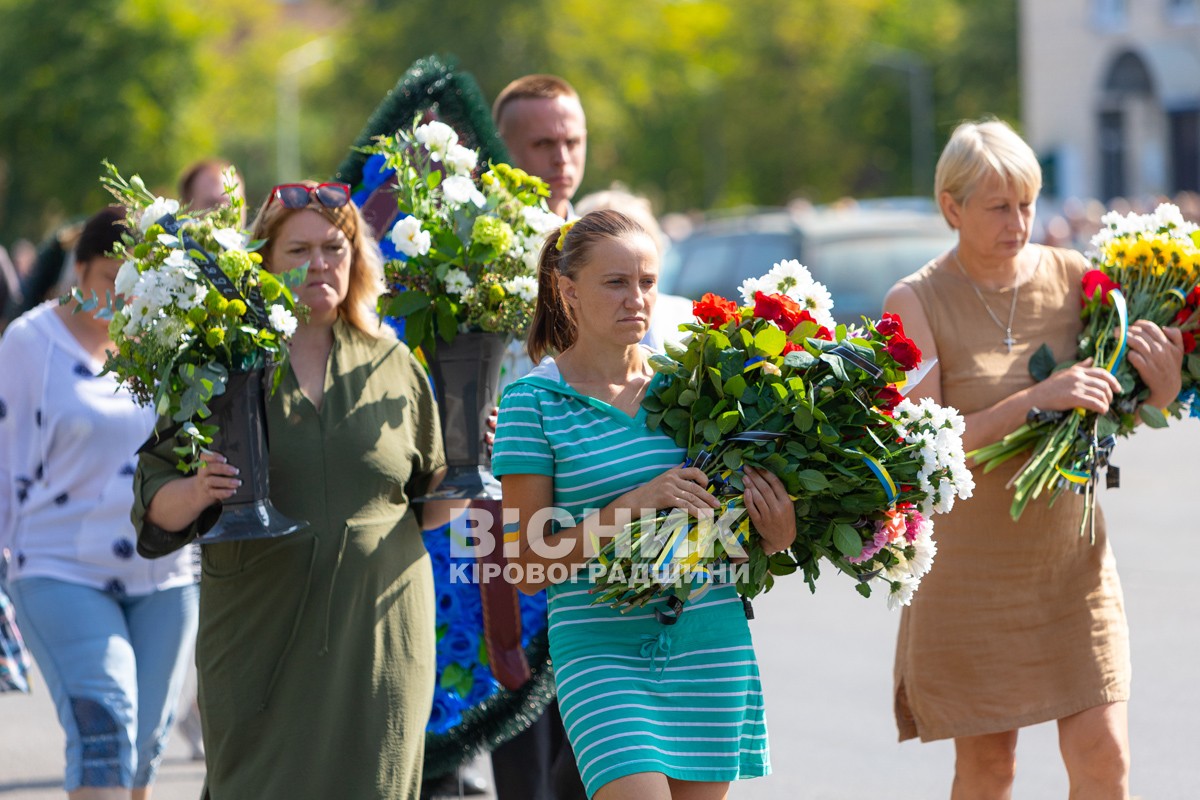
1008,341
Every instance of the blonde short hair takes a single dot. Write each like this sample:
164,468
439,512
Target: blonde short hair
977,150
359,309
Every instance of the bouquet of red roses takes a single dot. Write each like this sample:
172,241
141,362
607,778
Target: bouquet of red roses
777,385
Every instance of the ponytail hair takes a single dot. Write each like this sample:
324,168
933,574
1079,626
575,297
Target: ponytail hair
553,328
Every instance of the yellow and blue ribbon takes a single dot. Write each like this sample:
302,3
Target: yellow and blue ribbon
881,473
1119,305
1078,477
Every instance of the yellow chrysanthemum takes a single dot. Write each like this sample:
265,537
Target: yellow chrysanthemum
1190,262
1140,253
1115,251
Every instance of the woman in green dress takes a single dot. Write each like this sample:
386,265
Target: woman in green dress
315,652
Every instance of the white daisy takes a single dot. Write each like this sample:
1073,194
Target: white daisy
229,238
457,281
127,277
523,286
460,160
788,275
902,591
749,288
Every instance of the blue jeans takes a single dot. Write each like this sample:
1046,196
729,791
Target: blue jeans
114,666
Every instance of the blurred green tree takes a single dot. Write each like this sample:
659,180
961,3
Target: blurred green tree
708,103
106,79
697,103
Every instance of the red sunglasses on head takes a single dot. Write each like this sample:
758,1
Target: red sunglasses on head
299,195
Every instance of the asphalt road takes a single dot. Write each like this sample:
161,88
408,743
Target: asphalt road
827,664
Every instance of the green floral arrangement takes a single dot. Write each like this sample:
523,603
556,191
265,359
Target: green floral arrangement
465,249
192,304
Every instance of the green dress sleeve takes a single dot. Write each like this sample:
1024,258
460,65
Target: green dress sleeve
156,468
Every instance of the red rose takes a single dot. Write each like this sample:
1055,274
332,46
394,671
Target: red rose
904,352
780,309
1189,342
890,325
887,398
714,310
1094,280
1193,297
791,347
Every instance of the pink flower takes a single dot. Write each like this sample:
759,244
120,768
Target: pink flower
896,526
913,525
872,548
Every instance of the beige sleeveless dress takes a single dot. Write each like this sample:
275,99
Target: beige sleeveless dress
1018,622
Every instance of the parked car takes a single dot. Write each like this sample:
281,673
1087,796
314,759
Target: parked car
858,252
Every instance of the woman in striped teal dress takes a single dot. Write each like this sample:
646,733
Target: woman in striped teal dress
653,711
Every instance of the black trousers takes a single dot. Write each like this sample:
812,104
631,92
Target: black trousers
538,764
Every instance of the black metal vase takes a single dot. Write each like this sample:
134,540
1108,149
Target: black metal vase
240,415
466,376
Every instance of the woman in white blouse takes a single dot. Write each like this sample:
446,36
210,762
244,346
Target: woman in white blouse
110,631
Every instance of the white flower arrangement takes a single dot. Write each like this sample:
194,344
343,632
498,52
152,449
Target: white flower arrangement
178,333
937,432
467,248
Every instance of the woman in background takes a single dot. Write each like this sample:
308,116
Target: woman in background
110,631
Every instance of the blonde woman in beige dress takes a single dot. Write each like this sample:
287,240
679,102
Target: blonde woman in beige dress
1021,622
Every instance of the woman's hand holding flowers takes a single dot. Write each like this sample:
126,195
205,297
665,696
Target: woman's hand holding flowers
1079,386
771,510
680,487
1157,355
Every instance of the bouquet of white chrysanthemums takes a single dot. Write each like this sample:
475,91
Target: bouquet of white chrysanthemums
466,249
192,304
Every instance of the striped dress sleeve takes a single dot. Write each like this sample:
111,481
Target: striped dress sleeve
521,446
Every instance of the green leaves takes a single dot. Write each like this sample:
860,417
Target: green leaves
812,481
735,386
728,421
675,352
200,384
1152,416
1042,363
666,365
847,540
457,678
447,321
770,340
676,418
404,304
